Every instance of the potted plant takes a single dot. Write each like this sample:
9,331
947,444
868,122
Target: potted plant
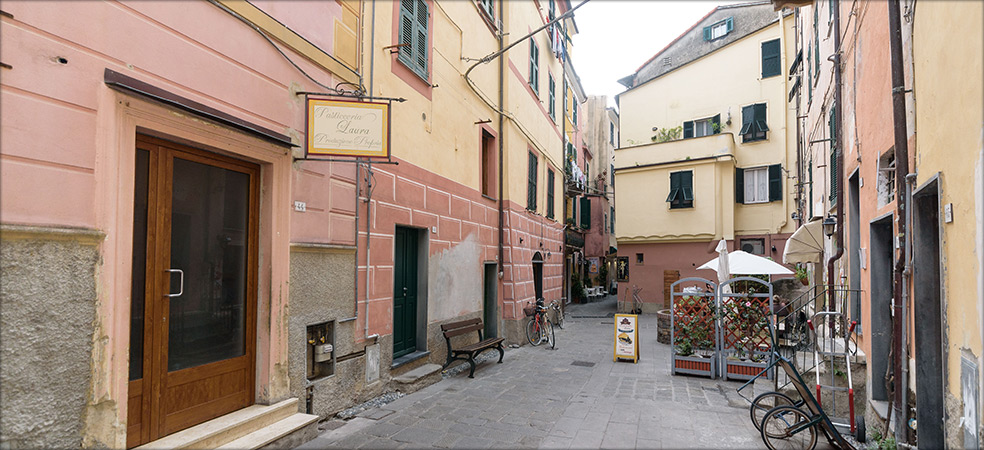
693,337
802,275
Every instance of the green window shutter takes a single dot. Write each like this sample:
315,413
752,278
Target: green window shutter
574,113
407,28
688,130
739,185
731,24
586,213
809,74
761,119
716,124
420,52
770,59
550,194
775,183
747,119
552,108
687,187
531,186
534,67
612,217
707,33
674,186
833,153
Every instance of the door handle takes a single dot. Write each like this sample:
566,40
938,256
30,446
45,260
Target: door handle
181,282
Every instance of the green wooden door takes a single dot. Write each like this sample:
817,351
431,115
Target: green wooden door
405,292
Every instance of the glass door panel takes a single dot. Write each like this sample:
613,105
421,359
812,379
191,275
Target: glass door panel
209,235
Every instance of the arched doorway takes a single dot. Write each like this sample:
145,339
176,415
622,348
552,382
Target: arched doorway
538,275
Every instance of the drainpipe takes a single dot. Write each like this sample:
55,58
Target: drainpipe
372,52
502,137
839,155
901,174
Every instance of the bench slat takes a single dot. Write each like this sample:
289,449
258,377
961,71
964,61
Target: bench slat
460,324
480,345
460,331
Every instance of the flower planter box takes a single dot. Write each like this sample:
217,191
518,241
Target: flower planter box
739,369
695,365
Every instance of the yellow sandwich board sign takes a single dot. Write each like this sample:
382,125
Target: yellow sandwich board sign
626,337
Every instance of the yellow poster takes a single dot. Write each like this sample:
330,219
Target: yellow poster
626,337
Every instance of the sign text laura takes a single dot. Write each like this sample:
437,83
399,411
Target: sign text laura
347,128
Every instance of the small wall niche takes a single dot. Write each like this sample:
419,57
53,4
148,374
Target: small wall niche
320,350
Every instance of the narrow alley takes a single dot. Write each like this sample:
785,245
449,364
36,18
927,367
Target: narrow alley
574,396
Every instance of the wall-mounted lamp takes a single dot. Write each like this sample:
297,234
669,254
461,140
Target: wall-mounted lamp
829,223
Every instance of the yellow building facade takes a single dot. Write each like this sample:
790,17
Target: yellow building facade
690,116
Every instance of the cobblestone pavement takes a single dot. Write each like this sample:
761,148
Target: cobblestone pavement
572,397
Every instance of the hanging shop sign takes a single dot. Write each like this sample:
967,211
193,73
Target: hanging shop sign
348,128
626,337
593,266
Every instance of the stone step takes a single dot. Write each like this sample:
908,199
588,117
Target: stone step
418,374
227,428
306,425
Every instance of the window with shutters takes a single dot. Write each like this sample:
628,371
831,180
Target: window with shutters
758,184
550,194
414,18
702,127
719,30
753,123
816,43
832,168
809,74
585,208
681,190
487,8
770,59
488,164
612,217
535,67
574,113
611,133
531,185
552,87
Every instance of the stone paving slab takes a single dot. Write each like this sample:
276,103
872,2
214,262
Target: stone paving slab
537,398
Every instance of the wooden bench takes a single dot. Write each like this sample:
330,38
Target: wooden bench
470,351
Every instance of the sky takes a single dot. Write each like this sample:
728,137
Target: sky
616,37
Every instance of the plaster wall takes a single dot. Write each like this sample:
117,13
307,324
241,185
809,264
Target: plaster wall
949,143
867,107
48,291
684,257
317,298
669,100
643,213
199,52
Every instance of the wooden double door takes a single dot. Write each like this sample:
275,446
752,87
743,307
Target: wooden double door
193,310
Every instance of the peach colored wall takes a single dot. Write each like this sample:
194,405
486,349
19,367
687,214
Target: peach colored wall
867,130
408,195
682,256
66,155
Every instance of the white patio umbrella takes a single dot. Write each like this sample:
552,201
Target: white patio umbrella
747,264
722,264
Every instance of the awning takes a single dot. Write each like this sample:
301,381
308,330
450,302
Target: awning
805,245
744,263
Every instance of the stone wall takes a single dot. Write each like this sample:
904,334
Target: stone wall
47,315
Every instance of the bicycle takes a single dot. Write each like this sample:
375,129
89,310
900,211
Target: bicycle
539,329
558,314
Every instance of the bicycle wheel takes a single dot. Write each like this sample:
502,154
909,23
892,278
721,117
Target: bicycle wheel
533,333
785,428
548,333
763,403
